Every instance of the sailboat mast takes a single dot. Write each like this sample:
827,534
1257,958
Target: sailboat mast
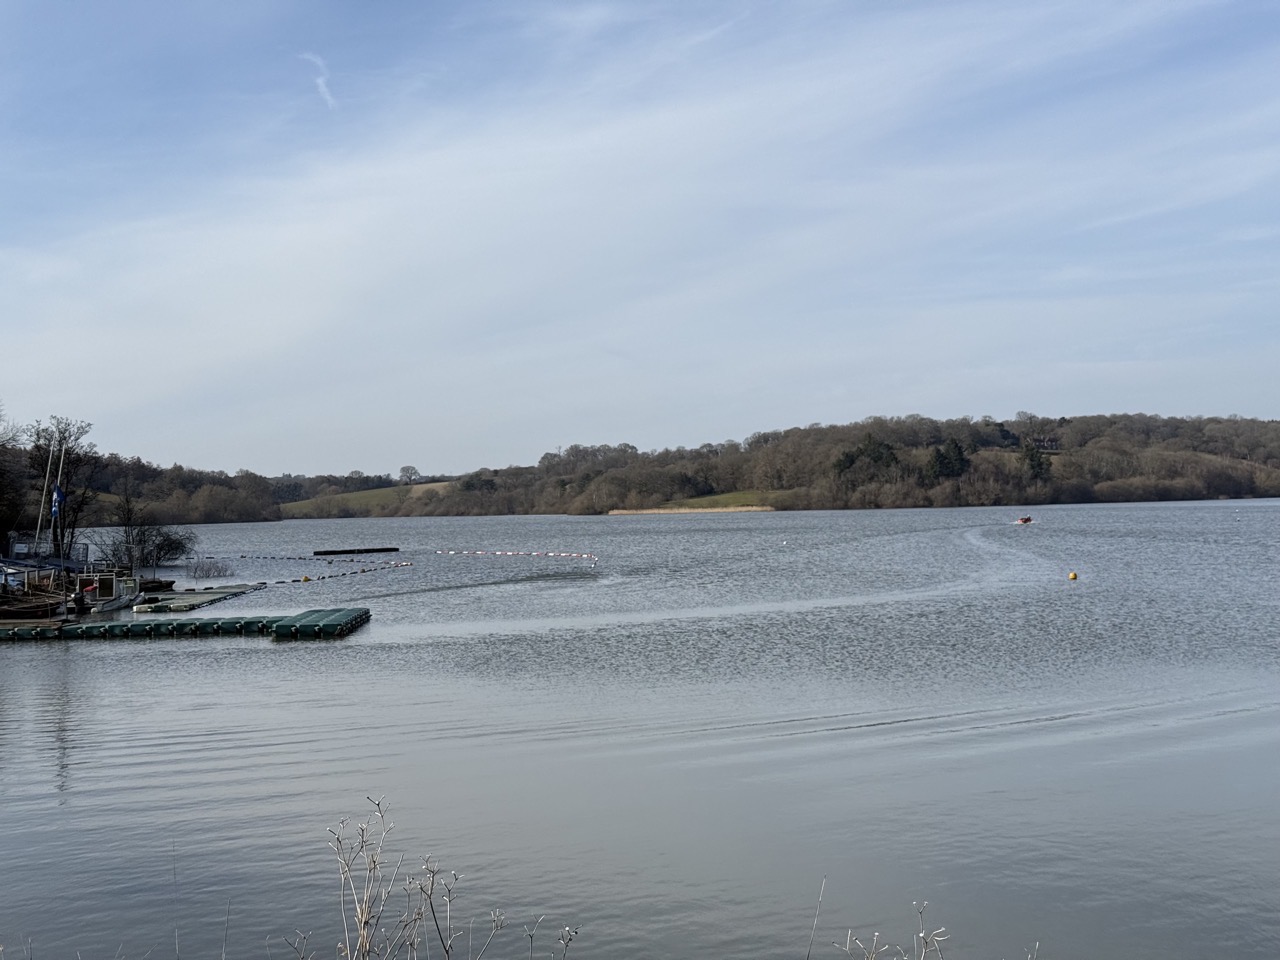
48,468
57,488
55,532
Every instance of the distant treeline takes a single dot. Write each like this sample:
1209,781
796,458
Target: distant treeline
95,483
179,494
909,461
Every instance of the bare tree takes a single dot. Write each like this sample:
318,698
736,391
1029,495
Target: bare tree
13,494
60,451
135,541
10,432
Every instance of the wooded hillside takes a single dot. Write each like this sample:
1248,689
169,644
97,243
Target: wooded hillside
909,461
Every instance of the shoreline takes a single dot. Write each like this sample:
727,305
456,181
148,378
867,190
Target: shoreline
653,510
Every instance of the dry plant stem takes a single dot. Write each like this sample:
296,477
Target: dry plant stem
813,932
448,906
362,864
566,938
529,933
298,944
929,941
368,882
443,931
173,848
497,920
926,942
868,953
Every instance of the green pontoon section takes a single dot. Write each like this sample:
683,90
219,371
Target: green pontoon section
311,625
315,624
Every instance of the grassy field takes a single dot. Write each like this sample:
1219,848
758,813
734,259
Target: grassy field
720,501
386,500
362,503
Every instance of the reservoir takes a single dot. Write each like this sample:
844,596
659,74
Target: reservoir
671,746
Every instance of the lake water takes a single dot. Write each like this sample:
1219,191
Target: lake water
673,747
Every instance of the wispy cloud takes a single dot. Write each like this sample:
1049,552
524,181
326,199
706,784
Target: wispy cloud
673,230
321,78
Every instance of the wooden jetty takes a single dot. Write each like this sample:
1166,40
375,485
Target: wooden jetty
309,625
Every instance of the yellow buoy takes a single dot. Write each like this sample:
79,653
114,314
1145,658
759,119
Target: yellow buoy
1071,575
308,579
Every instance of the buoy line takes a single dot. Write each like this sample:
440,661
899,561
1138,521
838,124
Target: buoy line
250,556
518,553
348,573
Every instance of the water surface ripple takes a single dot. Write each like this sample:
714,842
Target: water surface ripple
674,746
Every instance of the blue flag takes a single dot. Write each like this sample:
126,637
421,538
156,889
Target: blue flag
58,499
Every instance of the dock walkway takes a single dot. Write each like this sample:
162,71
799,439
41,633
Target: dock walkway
183,601
309,625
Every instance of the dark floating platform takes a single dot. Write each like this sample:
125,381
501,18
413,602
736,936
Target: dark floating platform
311,625
336,553
315,624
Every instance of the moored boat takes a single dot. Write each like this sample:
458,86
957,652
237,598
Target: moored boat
104,592
32,605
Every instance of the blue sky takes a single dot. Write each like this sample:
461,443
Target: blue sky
318,237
